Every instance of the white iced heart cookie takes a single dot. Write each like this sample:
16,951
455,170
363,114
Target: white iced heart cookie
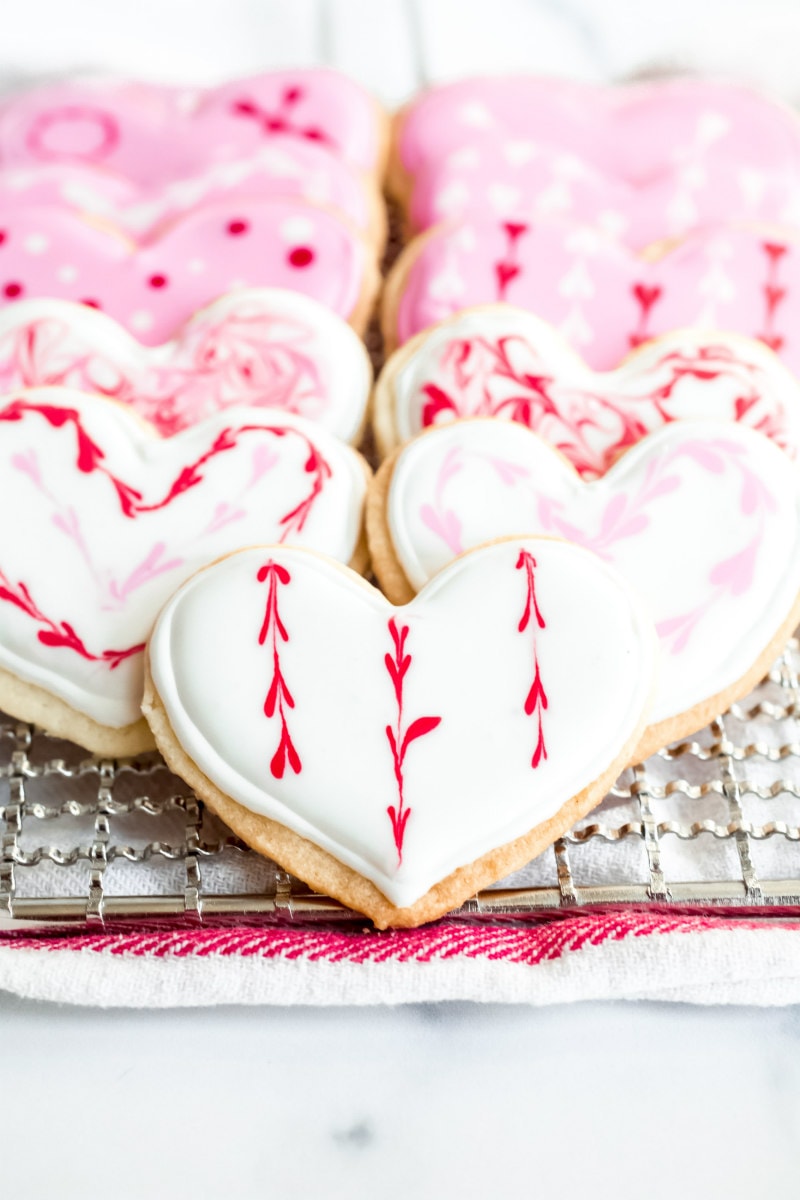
402,758
702,517
499,361
105,520
257,346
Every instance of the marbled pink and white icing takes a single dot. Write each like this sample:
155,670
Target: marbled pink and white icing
641,162
503,362
418,738
106,520
703,518
304,170
261,347
603,298
152,289
154,134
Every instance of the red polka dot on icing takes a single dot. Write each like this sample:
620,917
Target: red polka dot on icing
91,303
12,289
237,227
301,256
158,281
3,236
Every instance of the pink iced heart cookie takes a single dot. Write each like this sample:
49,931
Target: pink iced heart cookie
643,161
600,295
401,758
261,347
502,362
154,288
156,134
304,170
118,518
702,517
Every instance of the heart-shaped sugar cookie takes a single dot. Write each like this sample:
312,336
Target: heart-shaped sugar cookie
256,347
153,288
652,160
105,520
703,518
499,361
401,758
743,279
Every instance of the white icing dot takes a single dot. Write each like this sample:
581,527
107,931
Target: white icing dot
36,243
67,274
297,229
141,320
196,266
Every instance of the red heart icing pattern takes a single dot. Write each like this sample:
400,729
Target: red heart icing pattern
603,298
406,742
259,347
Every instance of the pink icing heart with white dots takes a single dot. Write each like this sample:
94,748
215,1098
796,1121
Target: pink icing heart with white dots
153,288
260,347
643,161
153,134
603,298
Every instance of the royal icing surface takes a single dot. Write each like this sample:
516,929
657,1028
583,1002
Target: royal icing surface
405,741
109,519
284,168
502,362
641,162
153,134
600,296
702,517
260,347
219,248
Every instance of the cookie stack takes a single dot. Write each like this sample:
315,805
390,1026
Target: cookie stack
579,558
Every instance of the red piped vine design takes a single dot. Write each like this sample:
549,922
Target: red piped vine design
281,119
91,458
507,269
273,632
536,701
774,295
59,633
507,377
399,740
646,297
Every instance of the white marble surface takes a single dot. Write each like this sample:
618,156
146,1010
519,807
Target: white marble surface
614,1102
437,1101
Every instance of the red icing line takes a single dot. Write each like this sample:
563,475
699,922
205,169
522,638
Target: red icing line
278,696
90,458
536,701
399,742
280,121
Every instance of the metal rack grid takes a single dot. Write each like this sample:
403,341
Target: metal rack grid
711,822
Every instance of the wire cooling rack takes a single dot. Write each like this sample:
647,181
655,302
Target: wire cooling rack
710,822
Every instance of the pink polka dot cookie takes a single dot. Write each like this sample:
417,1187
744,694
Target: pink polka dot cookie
401,758
602,297
154,288
641,162
152,135
499,361
119,518
260,347
702,517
